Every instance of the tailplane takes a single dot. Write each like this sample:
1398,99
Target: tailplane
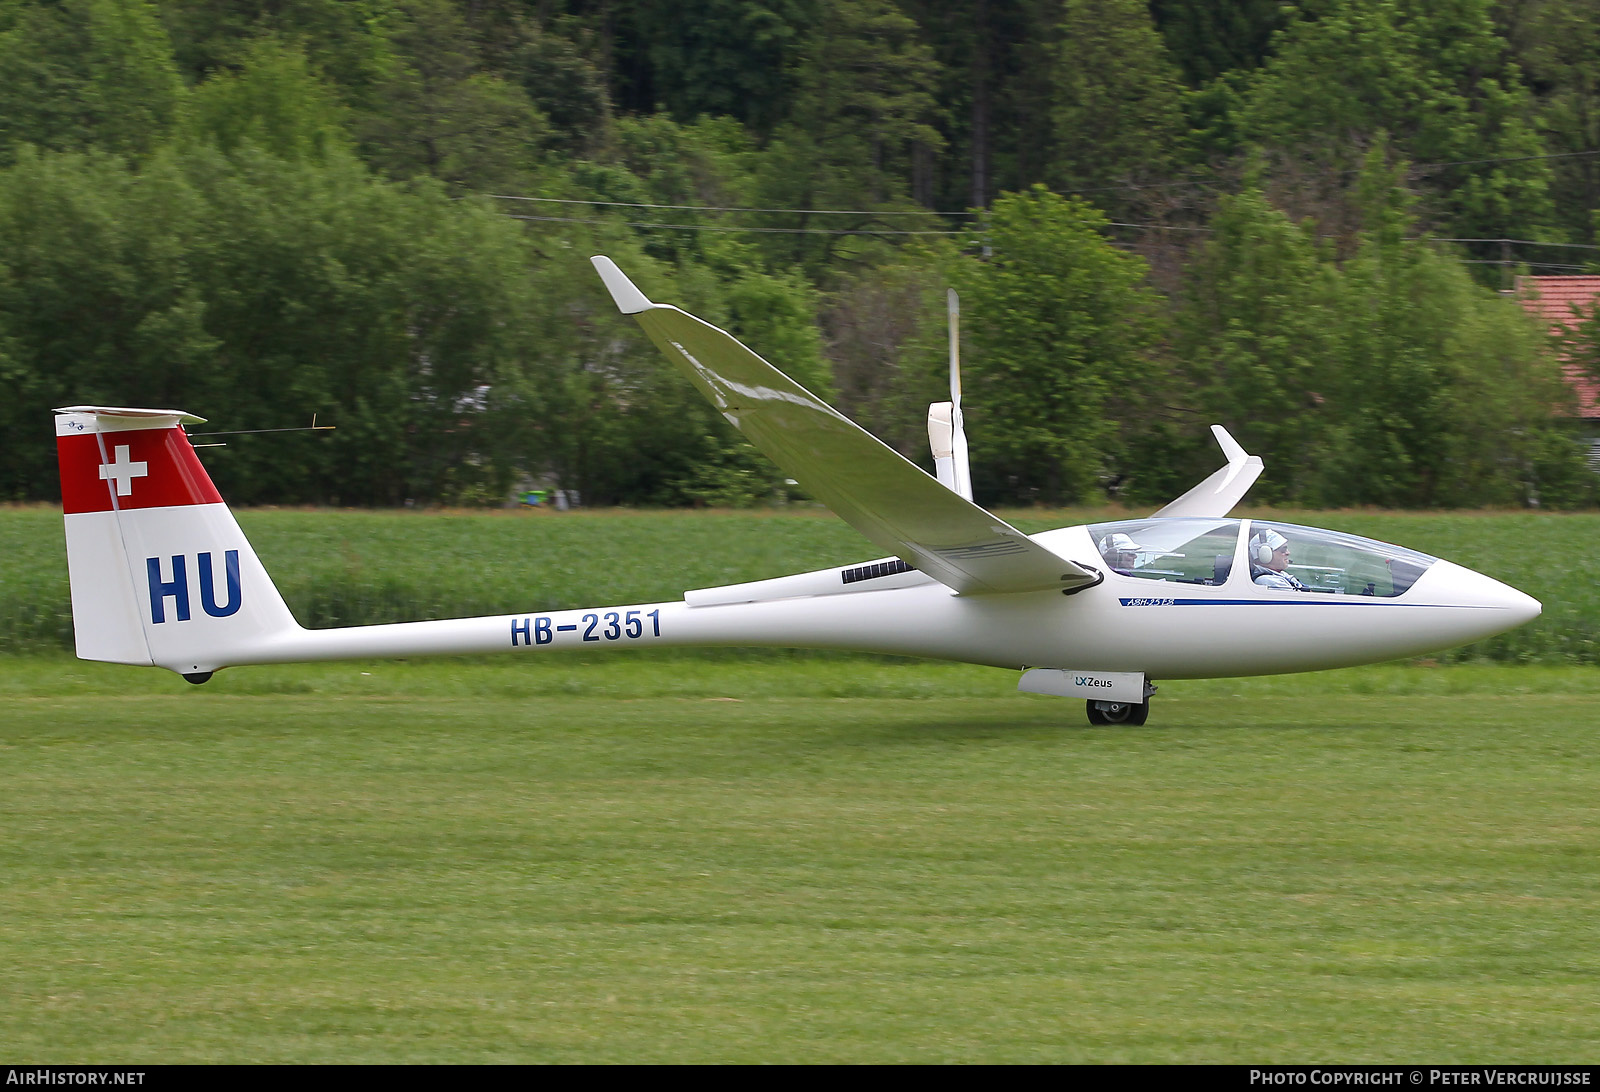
160,572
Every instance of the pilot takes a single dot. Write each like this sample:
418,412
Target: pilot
1120,552
1269,560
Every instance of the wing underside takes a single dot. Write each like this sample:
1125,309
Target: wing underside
890,500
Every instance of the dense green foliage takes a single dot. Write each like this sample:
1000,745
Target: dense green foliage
1374,379
379,211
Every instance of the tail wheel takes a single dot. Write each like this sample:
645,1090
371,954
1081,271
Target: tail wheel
1119,712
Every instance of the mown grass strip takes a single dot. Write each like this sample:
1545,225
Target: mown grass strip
613,861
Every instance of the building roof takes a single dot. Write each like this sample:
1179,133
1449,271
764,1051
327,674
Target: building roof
1564,302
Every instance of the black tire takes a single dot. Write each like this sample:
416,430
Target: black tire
1119,712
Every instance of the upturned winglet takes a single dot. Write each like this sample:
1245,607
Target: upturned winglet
1231,448
629,300
1216,496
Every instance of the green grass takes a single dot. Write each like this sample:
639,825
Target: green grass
793,859
358,567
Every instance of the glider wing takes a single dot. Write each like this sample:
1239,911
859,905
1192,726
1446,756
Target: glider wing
872,487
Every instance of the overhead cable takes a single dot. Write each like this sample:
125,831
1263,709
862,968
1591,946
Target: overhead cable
719,227
724,208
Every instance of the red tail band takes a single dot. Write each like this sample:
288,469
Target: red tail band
137,468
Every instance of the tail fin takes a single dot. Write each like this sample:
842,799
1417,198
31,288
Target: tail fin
160,572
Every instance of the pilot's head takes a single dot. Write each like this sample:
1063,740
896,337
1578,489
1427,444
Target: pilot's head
1270,550
1120,551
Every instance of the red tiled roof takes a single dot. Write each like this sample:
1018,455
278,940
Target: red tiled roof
1562,302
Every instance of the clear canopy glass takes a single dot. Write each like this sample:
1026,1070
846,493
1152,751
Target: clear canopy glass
1279,555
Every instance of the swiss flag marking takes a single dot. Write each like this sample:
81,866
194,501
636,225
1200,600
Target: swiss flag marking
144,468
123,471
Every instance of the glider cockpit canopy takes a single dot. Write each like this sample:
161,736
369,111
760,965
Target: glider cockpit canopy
1202,551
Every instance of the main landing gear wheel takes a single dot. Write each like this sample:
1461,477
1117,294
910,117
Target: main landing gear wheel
1119,712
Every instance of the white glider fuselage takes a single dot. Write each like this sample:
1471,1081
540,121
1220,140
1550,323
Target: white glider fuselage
195,612
1114,626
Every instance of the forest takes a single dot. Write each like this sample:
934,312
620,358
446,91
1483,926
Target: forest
1304,221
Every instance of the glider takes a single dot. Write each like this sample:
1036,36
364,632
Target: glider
161,574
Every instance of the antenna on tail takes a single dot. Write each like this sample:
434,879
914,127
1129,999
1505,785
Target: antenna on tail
312,427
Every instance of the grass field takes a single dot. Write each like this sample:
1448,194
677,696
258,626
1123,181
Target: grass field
794,859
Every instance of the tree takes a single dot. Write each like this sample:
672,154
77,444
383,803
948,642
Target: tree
1058,319
564,84
1255,333
342,39
1434,78
261,290
437,113
863,107
85,73
723,58
96,304
1446,395
401,311
656,161
1561,53
1207,38
1118,115
1387,377
886,338
273,101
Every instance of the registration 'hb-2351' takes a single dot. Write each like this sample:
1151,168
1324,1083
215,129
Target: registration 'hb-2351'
162,575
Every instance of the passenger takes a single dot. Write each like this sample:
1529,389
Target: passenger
1121,553
1269,558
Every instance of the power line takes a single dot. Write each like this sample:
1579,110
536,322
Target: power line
719,227
782,230
724,208
1530,265
1518,242
1121,187
1152,227
1502,159
658,225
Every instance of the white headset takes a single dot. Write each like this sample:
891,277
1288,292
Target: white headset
1262,552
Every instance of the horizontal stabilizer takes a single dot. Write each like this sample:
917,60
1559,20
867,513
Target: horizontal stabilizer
893,502
134,414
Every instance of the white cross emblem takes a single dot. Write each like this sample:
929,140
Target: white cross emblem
123,470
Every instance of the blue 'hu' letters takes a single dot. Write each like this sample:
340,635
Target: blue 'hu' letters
178,587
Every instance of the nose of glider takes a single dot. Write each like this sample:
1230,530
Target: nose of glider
1523,607
1494,607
